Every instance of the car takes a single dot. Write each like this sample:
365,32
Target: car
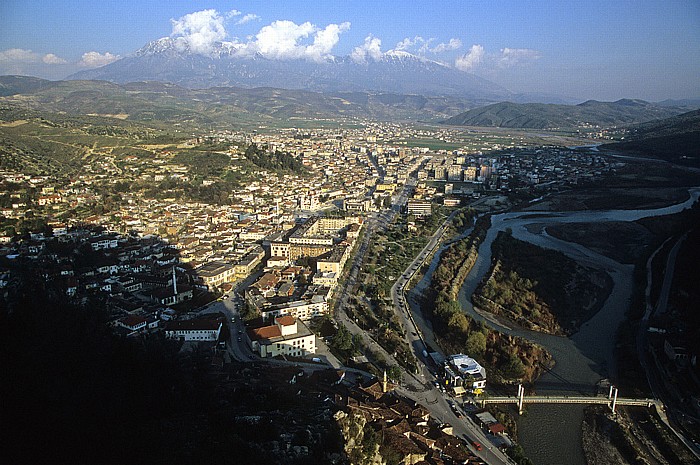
477,445
239,339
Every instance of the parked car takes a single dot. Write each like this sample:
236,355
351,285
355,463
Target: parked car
477,445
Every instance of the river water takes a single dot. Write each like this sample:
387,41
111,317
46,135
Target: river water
551,434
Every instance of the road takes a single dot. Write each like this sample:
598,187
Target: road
651,367
417,387
413,335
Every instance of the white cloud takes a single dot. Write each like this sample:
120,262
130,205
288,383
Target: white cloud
280,39
97,59
453,44
325,40
471,59
51,59
409,43
284,40
371,48
199,31
247,18
19,55
517,56
416,44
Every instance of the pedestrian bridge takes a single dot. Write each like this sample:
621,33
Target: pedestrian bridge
567,400
612,400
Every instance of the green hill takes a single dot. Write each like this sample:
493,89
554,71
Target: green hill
154,102
675,139
549,116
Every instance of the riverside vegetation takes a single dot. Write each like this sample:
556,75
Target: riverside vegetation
508,358
541,289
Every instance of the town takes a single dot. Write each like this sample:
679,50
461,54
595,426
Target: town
252,271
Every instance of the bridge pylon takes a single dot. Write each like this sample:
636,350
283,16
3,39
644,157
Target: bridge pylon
521,395
613,402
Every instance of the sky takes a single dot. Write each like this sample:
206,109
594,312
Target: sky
604,50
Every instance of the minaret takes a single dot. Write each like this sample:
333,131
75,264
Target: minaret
384,383
174,282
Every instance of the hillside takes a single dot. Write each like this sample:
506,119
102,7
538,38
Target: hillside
675,139
159,101
550,116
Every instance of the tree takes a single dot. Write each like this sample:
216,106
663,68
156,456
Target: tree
476,343
342,341
394,373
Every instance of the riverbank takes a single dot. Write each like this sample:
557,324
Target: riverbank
540,289
586,357
631,434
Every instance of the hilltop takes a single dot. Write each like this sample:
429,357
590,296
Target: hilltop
591,113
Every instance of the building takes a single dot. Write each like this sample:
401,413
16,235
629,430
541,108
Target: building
133,323
248,262
298,309
419,208
287,336
333,261
216,273
464,374
197,330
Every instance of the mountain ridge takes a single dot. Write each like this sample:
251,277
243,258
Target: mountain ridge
675,139
393,72
591,113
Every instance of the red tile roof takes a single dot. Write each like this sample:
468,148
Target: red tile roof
286,320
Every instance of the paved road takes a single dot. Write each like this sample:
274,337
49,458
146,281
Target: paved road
651,367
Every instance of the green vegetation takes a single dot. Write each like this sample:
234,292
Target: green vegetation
550,116
506,357
389,255
274,161
518,455
674,139
541,289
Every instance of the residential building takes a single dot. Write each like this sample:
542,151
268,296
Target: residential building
198,330
287,336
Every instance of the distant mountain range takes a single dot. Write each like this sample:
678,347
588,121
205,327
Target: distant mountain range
551,116
166,102
675,139
394,72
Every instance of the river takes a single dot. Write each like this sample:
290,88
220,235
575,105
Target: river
551,434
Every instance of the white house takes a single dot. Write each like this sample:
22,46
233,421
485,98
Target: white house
288,336
463,373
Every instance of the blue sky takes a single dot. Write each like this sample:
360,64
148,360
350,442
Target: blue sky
583,49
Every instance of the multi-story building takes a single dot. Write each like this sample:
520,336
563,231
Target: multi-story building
464,374
419,208
216,273
194,330
287,336
333,261
300,309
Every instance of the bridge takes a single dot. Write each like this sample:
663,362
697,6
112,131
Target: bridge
612,400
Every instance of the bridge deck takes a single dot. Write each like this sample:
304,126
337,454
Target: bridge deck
567,400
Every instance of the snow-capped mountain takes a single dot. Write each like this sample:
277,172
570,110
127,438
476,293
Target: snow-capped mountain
170,60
